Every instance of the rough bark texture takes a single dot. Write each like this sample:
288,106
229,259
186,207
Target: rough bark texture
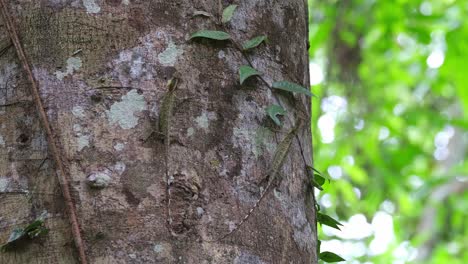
102,68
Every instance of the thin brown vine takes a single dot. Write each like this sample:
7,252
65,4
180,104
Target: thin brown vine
55,150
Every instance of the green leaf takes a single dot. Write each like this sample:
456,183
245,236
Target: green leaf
246,72
273,111
34,225
211,34
291,87
328,221
316,185
38,232
252,43
17,234
330,257
318,176
317,181
34,229
228,13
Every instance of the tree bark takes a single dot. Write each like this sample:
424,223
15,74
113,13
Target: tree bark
102,69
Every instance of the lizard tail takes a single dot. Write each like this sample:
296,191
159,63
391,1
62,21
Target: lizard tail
246,217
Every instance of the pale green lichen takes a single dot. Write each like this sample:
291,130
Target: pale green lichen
77,128
169,56
4,182
73,64
123,112
158,248
203,121
119,167
200,211
78,111
83,141
98,180
2,141
136,69
91,6
231,225
190,131
119,146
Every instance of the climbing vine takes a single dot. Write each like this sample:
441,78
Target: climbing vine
316,178
36,228
33,230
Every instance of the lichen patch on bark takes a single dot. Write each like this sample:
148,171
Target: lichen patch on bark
4,183
144,64
190,132
119,146
203,121
99,179
169,56
91,6
82,142
73,64
78,111
124,113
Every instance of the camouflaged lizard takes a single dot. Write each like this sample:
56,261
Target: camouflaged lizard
165,115
278,160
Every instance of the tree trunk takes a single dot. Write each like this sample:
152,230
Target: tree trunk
101,69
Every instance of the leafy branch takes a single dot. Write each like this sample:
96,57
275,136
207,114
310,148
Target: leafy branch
31,231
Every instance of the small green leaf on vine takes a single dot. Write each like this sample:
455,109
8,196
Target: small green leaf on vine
330,257
318,176
291,87
319,179
273,111
245,72
34,229
211,34
316,183
252,43
328,221
228,13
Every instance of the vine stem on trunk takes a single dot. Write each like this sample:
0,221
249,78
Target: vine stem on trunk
51,136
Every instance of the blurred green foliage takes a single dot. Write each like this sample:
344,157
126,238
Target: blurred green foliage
391,126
